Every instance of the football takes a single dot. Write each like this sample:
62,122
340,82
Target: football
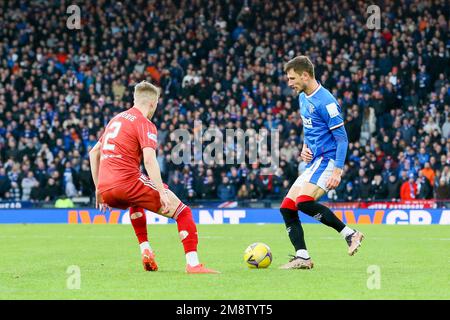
258,255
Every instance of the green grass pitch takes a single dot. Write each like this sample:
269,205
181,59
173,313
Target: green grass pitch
413,263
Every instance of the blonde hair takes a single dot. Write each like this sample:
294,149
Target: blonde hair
145,91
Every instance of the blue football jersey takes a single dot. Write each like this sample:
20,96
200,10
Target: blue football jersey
320,114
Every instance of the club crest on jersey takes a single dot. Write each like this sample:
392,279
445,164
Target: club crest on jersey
311,108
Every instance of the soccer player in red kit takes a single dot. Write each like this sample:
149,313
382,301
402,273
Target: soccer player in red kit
115,164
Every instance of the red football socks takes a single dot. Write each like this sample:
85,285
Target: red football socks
139,224
186,228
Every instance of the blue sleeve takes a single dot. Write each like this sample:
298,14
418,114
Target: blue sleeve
340,135
305,139
331,114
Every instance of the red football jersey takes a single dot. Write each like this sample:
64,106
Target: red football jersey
121,148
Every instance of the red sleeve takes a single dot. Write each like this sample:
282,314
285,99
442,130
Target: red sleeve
147,134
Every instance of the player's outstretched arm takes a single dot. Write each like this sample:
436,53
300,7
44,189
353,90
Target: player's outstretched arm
154,173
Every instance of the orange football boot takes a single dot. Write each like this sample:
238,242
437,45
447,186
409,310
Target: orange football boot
148,260
200,268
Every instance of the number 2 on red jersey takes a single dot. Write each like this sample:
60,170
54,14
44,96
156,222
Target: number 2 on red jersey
113,132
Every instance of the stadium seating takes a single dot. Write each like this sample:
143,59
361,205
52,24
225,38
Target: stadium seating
221,62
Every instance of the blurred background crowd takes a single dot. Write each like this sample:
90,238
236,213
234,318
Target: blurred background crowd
221,63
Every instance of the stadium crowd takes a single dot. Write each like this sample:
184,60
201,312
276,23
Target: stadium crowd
221,63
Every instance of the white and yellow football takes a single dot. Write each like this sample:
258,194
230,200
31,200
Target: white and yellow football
258,255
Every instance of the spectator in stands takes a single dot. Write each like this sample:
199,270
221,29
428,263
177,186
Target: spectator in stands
37,194
178,187
234,178
351,193
408,190
15,173
378,189
225,190
52,191
5,183
446,173
222,66
209,188
428,172
407,131
191,196
277,184
393,188
424,187
364,189
387,170
64,202
87,187
423,156
14,192
446,128
289,151
28,184
284,189
266,183
243,193
253,192
368,125
443,190
431,126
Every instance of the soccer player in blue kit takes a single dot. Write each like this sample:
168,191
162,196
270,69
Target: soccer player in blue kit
324,149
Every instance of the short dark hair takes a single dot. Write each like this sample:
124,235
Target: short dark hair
300,64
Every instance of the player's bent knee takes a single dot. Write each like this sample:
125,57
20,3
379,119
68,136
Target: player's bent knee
288,210
288,203
303,203
312,190
174,205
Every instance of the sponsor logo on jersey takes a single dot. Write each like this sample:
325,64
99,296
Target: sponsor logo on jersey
307,122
